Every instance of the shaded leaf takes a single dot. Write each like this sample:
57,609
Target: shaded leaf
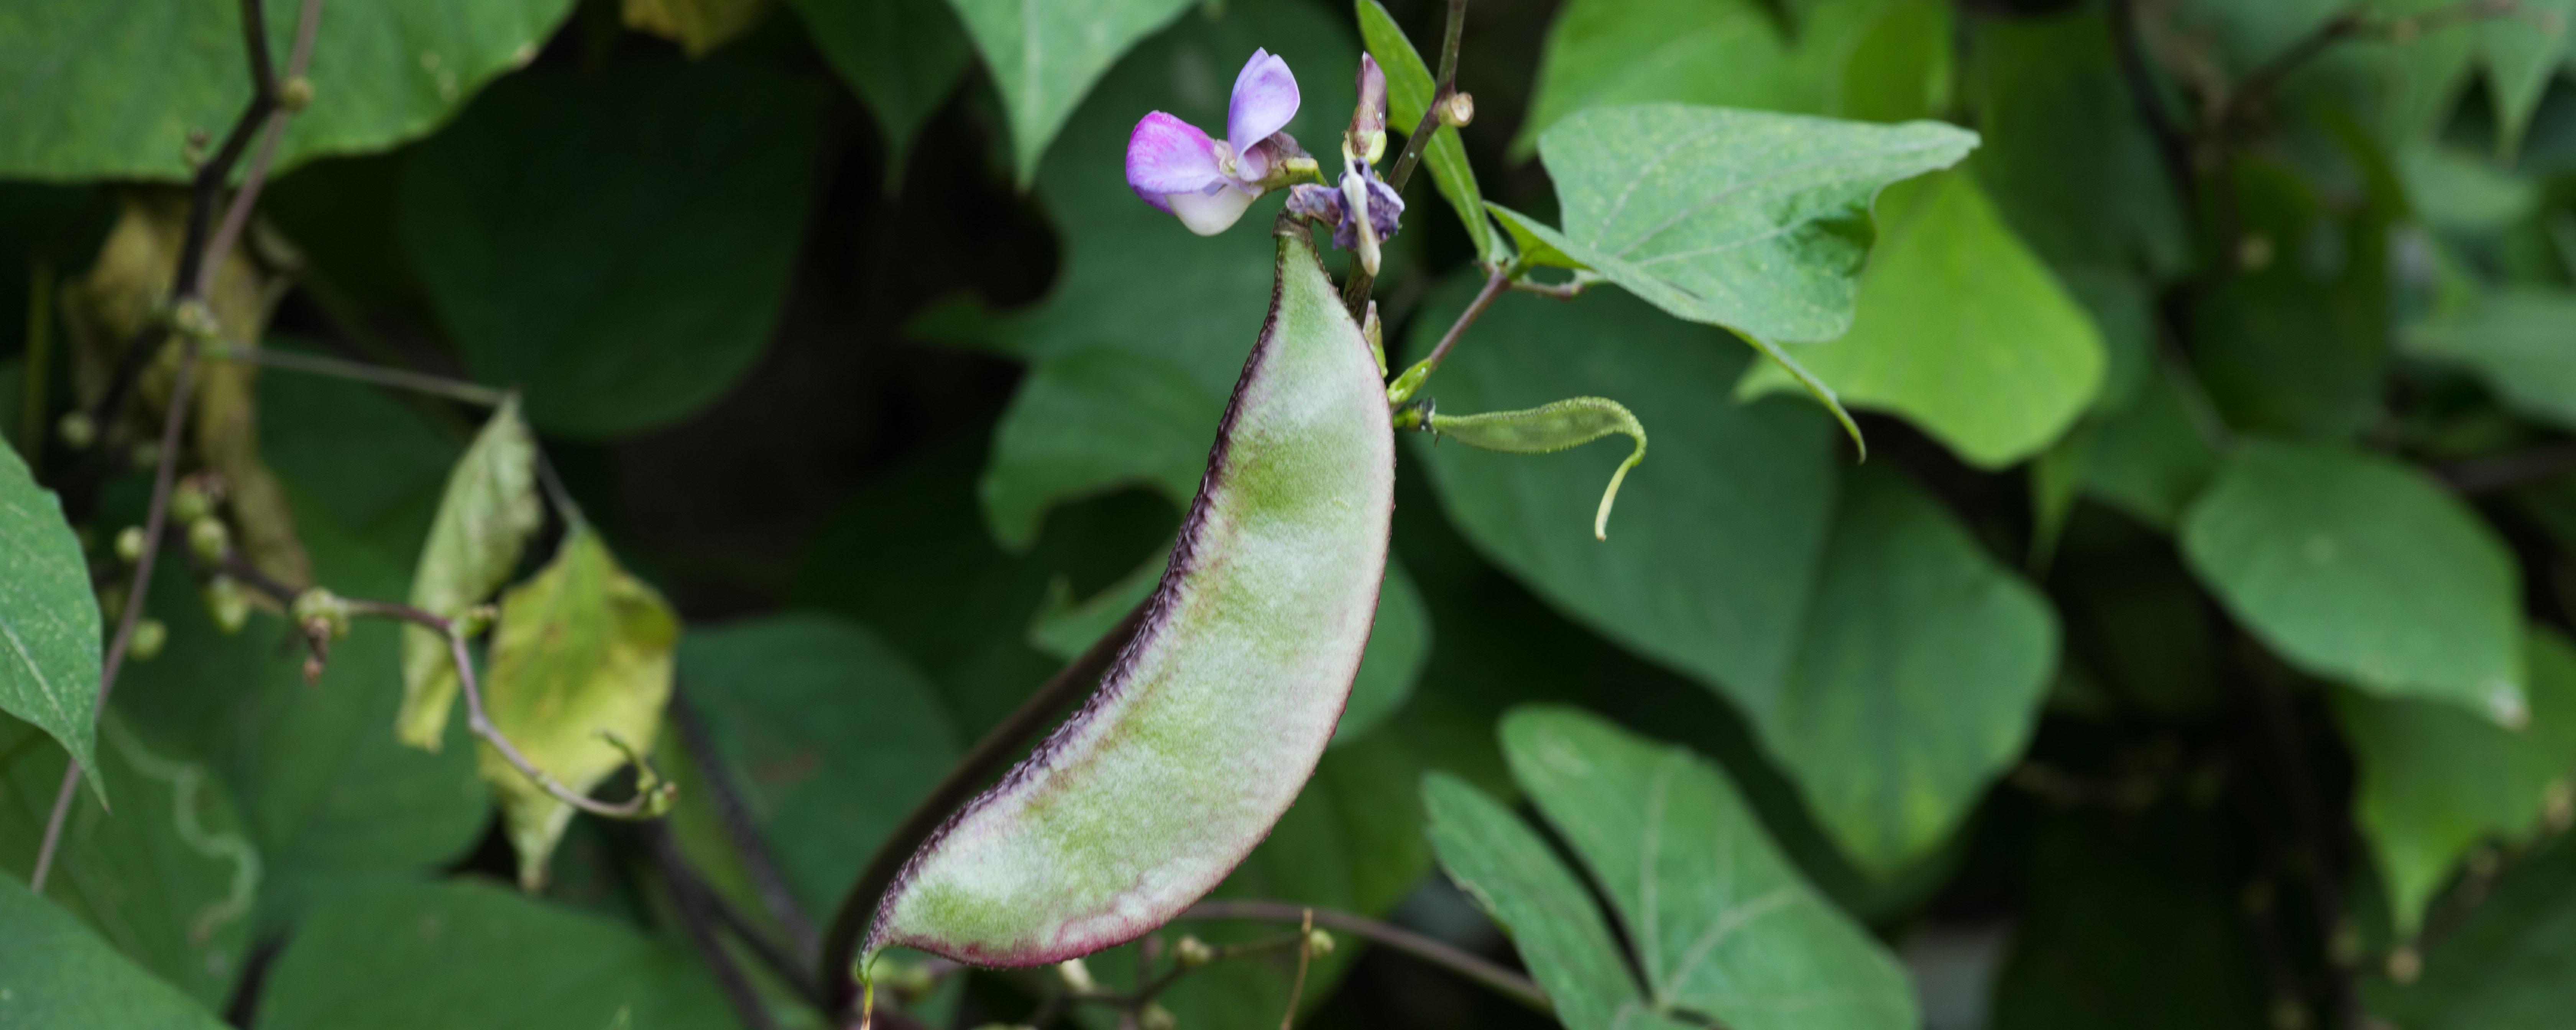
1045,57
168,879
484,521
1721,924
2132,923
1960,329
2515,339
54,972
49,624
1409,88
904,58
617,243
464,953
2507,965
582,653
697,25
2523,50
2359,569
385,72
2150,457
2436,781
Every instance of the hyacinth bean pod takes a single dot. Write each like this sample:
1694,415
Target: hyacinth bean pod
1215,714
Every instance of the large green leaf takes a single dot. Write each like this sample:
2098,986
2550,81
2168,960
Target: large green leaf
1919,668
169,878
831,734
485,517
2514,338
1045,56
581,661
54,972
49,624
903,56
1166,316
617,242
1961,330
2436,781
1560,934
1409,87
1721,924
150,73
2358,569
2523,50
1756,222
2507,967
467,954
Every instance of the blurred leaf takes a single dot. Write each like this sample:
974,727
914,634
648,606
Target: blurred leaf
1409,88
1960,329
49,671
904,58
1165,316
468,954
1919,670
1756,222
1399,638
582,652
54,972
832,736
1044,57
2362,570
2464,191
1721,924
169,878
618,242
2436,781
1881,60
2523,50
385,72
2132,924
485,518
2507,966
1498,860
2514,338
2296,343
697,25
2150,457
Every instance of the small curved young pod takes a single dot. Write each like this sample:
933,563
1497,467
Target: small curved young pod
1214,716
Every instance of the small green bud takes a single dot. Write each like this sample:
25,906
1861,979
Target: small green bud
77,430
188,501
196,319
1319,943
227,604
475,620
1155,1017
149,635
1076,976
320,608
144,455
1192,952
209,538
1460,110
1374,332
129,544
295,94
111,603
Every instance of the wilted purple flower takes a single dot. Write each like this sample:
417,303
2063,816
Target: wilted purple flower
1331,205
1209,182
1367,138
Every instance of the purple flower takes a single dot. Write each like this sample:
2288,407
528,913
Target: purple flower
1209,182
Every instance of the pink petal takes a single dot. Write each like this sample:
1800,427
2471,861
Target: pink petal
1166,155
1265,98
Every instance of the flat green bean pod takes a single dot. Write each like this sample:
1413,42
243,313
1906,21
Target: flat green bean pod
1214,716
1549,428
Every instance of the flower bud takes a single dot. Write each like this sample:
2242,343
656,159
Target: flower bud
195,318
1367,138
295,94
189,502
1375,333
1319,943
149,635
129,544
209,538
1076,976
227,604
144,456
77,430
1460,110
320,609
1155,1017
1192,952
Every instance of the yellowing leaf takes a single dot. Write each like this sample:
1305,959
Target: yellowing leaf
697,25
583,653
484,521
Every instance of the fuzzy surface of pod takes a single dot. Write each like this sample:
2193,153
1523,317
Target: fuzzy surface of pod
1213,717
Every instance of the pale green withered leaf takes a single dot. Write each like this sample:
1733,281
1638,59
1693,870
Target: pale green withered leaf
169,878
55,972
2359,569
466,953
49,624
1409,87
2516,340
483,523
616,243
1960,329
904,58
2436,781
1549,428
1045,56
1721,924
384,72
581,660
